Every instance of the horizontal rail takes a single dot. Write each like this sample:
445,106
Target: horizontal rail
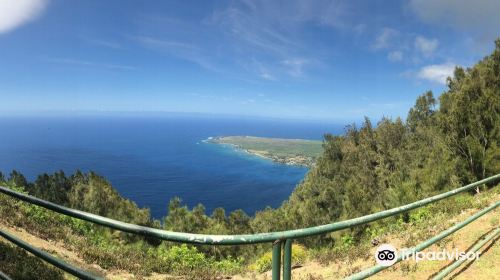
3,276
442,274
48,258
377,268
237,239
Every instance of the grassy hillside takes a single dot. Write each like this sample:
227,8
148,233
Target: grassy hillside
124,260
350,257
288,151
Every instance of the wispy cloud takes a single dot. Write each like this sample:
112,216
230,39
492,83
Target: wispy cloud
437,73
154,42
90,64
270,30
263,71
403,46
104,43
426,46
287,13
395,56
259,41
182,50
385,39
18,12
295,66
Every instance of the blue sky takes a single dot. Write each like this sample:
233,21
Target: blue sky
329,60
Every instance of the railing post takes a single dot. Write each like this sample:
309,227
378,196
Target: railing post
287,260
276,262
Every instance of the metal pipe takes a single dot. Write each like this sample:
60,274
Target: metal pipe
287,260
276,261
237,239
460,261
4,276
49,258
377,268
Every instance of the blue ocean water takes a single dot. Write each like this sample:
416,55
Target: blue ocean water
152,158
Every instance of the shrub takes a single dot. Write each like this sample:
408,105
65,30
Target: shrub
347,240
182,258
229,266
420,215
264,263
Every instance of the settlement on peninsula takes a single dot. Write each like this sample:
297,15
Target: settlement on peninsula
286,151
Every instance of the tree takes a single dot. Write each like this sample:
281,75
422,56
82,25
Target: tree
421,113
470,115
18,179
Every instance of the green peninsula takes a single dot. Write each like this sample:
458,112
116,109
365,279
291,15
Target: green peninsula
287,151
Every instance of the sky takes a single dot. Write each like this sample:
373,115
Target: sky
297,59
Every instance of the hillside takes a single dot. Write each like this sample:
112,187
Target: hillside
317,265
426,223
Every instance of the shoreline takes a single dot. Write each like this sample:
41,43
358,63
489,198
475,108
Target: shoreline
292,160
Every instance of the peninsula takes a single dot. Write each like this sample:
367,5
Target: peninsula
287,151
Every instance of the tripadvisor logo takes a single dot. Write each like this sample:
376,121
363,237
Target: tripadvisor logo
386,255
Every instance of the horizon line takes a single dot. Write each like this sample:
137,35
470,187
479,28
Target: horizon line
81,113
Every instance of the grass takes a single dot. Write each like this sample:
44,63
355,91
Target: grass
18,264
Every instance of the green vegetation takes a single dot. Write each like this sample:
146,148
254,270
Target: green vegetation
366,170
264,263
110,249
22,265
287,151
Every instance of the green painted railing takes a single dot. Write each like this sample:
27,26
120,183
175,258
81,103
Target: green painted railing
280,240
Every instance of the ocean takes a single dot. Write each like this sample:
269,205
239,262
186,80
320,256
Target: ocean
151,158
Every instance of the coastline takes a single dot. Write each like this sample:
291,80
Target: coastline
289,159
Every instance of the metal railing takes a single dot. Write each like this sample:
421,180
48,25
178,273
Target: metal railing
281,240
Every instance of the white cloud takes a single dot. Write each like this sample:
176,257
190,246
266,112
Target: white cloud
14,13
437,72
426,46
385,38
481,17
395,56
